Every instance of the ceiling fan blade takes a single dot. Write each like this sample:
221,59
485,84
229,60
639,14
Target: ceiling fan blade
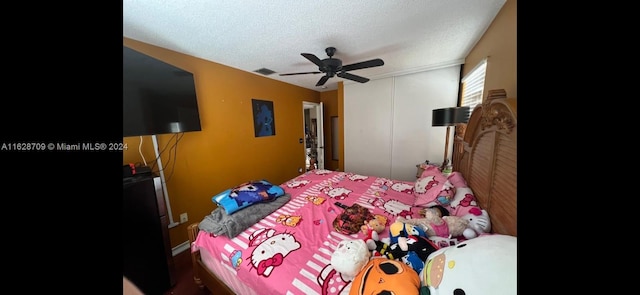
353,77
303,73
322,80
314,59
363,65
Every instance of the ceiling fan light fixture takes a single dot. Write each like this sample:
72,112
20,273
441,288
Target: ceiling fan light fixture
333,66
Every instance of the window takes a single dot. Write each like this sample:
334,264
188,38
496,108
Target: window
473,86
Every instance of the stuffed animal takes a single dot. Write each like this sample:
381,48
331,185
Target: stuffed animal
469,226
486,265
419,248
436,226
437,209
373,227
349,257
479,223
376,246
399,231
385,276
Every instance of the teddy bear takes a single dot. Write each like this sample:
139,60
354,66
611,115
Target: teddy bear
349,257
374,227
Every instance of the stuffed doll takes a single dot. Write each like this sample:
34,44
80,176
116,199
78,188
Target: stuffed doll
349,257
436,226
469,226
373,227
418,249
376,246
400,231
437,209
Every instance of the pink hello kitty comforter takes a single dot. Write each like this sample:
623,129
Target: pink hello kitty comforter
289,251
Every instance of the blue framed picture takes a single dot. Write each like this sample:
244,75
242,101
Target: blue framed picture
264,123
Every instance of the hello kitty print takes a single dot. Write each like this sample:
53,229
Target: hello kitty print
289,251
271,248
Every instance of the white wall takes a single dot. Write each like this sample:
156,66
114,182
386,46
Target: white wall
387,122
367,127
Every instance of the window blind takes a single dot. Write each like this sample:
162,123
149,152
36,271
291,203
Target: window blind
473,86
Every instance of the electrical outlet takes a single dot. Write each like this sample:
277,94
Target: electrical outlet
184,217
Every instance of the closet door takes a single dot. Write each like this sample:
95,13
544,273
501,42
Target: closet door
413,138
367,127
387,122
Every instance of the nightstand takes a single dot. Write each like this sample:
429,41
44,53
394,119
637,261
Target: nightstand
146,247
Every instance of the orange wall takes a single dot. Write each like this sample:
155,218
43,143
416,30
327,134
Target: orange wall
499,43
226,152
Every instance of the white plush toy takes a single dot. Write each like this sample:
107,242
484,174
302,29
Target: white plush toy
478,224
486,265
350,257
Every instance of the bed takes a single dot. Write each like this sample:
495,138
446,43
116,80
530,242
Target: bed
289,250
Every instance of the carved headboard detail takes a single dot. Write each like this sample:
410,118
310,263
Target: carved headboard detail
486,154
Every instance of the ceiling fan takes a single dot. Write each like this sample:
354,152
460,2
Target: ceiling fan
333,67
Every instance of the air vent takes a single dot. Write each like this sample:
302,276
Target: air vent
265,72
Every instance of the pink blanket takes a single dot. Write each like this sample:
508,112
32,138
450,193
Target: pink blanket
289,251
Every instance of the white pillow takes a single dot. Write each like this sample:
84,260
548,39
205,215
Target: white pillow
462,202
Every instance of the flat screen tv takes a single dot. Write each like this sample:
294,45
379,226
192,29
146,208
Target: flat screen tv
158,98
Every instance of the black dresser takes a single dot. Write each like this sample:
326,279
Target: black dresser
147,256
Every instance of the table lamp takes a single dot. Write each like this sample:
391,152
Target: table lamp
449,117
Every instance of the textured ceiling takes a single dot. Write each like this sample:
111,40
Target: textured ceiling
409,35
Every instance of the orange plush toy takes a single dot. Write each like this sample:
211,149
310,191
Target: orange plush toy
385,276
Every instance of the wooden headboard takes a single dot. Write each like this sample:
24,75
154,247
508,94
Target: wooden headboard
485,152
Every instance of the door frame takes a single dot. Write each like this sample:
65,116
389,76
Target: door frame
317,109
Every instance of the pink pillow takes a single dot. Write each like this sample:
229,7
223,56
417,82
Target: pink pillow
463,201
457,180
429,169
432,188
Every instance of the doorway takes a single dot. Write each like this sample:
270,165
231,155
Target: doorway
313,135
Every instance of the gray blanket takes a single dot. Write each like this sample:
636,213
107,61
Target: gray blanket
219,223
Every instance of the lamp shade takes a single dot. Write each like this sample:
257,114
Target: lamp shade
450,116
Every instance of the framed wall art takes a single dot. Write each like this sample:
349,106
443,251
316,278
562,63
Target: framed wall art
264,123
